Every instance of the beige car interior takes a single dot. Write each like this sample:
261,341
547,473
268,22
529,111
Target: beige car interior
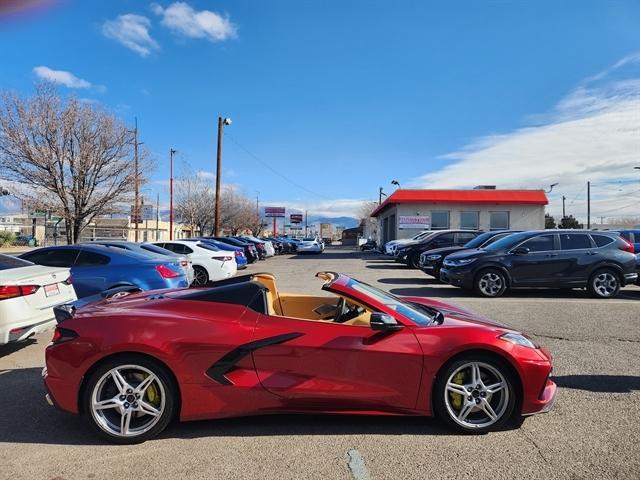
306,307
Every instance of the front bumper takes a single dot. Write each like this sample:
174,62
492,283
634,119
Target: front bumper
456,277
630,278
545,402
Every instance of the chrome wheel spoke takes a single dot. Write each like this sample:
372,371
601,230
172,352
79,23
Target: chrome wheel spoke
465,411
144,384
488,409
125,422
147,409
496,387
476,378
106,404
457,388
118,379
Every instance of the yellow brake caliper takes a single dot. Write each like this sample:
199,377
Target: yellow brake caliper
456,398
152,395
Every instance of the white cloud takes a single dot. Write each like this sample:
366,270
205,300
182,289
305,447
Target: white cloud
593,134
60,77
205,175
183,20
132,31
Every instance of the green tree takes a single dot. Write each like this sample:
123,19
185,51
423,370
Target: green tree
549,221
570,222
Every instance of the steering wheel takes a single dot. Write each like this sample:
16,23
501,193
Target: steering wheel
346,312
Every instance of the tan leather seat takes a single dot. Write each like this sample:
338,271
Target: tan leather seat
273,298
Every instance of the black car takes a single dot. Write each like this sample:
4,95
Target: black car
259,246
250,250
431,260
602,262
410,253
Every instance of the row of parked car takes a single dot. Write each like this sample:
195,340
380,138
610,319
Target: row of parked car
493,262
36,281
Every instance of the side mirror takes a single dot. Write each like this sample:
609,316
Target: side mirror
520,251
384,322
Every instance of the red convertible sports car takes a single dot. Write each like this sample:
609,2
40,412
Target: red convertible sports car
131,362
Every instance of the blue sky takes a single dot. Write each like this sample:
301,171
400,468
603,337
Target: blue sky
343,96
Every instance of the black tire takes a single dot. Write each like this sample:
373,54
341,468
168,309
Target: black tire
200,276
441,397
490,283
414,261
604,283
162,375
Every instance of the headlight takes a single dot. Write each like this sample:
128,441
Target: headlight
434,257
458,263
518,339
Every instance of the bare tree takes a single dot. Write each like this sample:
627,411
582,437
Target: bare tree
195,202
627,222
72,158
368,223
237,212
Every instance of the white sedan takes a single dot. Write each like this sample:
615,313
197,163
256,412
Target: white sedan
209,262
310,245
28,293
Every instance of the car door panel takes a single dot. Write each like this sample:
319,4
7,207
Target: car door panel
536,268
338,367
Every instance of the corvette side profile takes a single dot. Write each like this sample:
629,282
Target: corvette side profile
132,361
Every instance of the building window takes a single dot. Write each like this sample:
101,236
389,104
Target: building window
498,220
439,220
469,220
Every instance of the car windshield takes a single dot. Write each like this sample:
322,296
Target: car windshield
508,241
479,240
7,262
403,308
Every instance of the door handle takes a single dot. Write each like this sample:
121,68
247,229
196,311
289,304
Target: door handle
552,255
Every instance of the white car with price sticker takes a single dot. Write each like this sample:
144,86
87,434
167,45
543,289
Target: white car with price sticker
28,293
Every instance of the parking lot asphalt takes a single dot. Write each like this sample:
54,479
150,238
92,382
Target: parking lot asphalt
592,432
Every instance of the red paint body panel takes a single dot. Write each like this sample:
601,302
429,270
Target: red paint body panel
329,367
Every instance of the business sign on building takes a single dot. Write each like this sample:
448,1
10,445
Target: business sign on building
421,222
296,218
274,211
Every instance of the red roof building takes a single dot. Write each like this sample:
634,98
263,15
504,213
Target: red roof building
406,212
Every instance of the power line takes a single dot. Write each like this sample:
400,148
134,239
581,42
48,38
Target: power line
273,170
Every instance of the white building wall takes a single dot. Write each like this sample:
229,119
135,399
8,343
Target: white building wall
521,217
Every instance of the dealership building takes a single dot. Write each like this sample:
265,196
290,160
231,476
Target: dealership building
406,212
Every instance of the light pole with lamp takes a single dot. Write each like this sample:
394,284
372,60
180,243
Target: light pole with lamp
216,222
171,153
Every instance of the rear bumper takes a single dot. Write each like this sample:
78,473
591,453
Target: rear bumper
17,331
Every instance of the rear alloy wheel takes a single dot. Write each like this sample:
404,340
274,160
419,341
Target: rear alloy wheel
414,261
475,395
129,400
490,283
200,276
604,284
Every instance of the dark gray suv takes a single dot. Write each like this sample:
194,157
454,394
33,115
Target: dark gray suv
603,262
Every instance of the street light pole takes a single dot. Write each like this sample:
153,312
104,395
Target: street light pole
171,153
588,205
136,208
564,215
216,222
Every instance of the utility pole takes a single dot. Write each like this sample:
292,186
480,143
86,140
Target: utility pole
306,222
157,216
216,221
380,194
171,153
588,205
564,215
136,208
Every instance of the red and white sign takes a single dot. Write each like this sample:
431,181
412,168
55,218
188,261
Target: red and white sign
274,211
422,222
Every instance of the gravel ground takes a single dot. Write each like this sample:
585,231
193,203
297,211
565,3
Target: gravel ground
592,432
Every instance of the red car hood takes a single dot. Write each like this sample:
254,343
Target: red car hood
456,316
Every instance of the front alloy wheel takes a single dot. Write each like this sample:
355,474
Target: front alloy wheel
490,283
475,396
129,402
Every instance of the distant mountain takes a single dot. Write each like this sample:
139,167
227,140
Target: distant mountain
346,222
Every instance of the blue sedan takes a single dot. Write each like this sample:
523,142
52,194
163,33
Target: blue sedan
95,268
